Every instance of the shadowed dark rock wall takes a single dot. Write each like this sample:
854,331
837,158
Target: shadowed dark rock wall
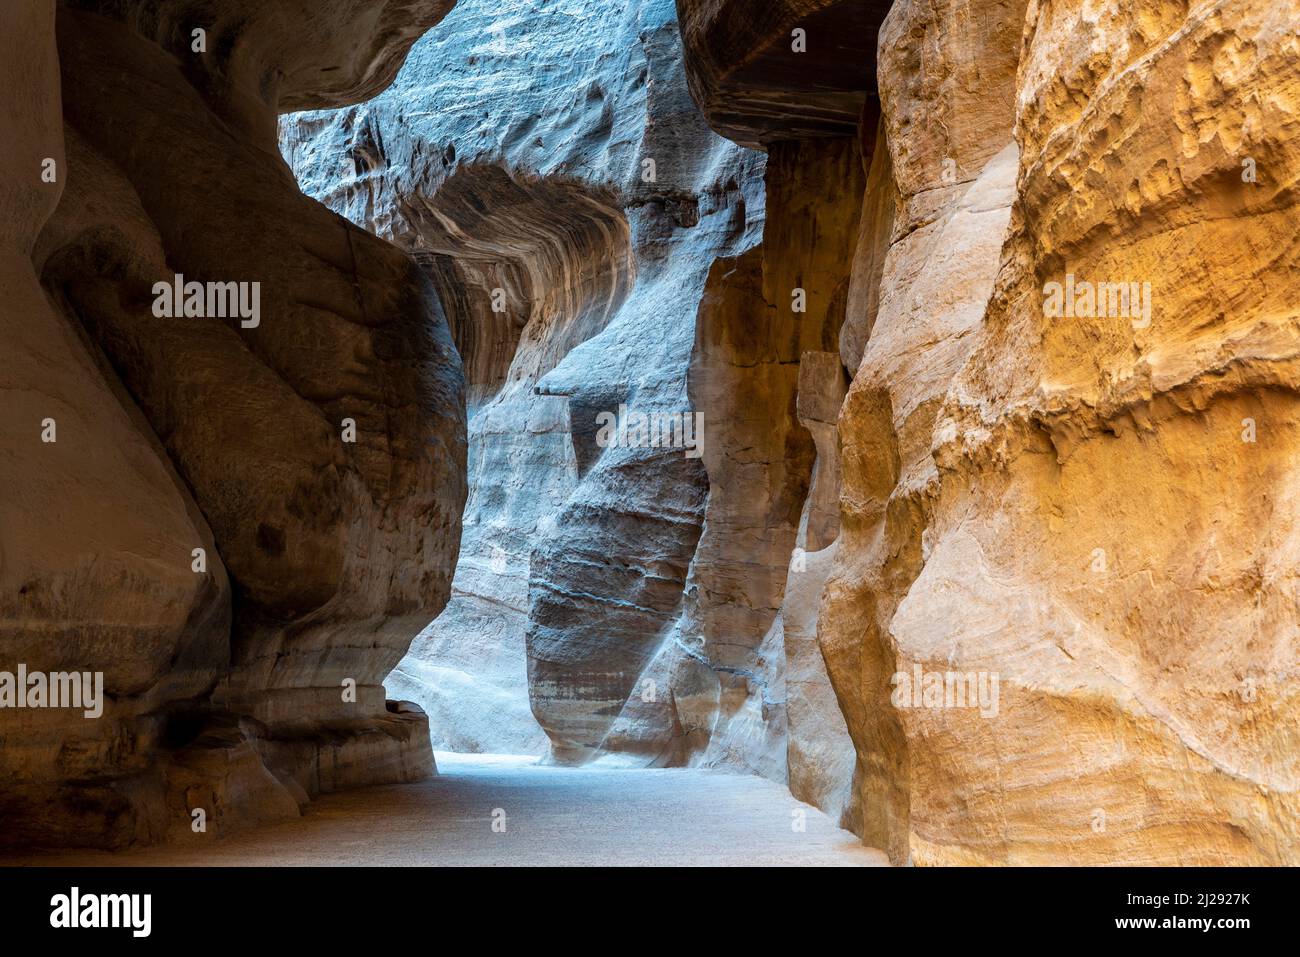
316,455
782,69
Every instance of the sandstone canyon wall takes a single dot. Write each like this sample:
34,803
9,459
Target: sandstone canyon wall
591,199
975,320
1136,465
1087,504
622,598
239,520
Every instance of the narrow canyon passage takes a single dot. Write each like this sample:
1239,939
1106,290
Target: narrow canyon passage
548,816
798,427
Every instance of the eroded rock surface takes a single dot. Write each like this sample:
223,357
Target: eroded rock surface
589,196
905,463
1058,501
94,561
1062,501
247,677
633,591
1135,463
595,245
760,318
783,69
797,78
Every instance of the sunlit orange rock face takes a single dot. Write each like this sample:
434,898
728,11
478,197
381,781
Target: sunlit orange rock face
314,456
1088,502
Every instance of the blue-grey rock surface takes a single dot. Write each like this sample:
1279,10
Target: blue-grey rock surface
552,155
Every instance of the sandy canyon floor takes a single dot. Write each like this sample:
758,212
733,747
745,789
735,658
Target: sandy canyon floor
552,816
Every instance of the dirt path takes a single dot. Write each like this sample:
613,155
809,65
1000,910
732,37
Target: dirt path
552,816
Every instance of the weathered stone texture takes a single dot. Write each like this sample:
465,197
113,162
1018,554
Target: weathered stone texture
589,195
1070,502
323,558
781,70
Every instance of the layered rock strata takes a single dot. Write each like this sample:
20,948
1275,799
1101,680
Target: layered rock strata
570,223
1063,447
1132,459
781,70
761,318
626,596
